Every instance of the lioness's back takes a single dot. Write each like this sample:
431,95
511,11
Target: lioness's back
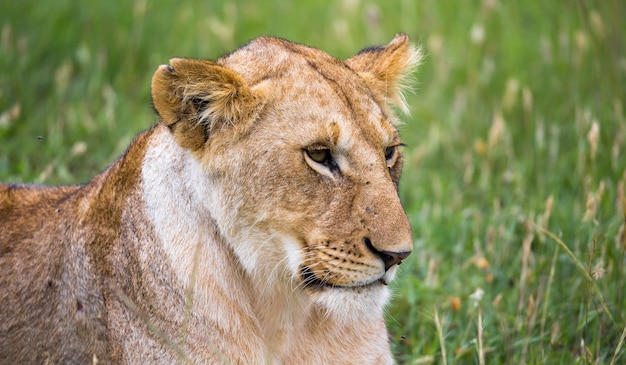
43,279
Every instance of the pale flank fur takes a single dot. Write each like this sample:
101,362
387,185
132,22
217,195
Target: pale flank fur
217,237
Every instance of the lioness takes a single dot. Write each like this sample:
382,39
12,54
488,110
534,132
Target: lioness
257,222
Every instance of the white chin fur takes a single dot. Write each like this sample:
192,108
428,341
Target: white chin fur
352,304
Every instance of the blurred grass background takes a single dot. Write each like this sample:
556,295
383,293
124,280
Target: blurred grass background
515,166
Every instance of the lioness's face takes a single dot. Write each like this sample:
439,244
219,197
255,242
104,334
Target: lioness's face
311,170
332,181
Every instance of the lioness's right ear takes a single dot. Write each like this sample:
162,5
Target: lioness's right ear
194,97
386,69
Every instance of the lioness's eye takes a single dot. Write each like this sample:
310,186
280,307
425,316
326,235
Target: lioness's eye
389,152
322,156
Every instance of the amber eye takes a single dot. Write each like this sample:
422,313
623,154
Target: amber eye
321,156
390,152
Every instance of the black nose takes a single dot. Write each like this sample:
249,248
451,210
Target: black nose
389,258
392,258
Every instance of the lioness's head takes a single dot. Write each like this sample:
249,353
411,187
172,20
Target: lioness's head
300,161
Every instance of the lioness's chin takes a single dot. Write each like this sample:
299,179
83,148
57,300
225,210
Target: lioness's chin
351,303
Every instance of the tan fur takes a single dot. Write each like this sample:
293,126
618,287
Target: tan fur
257,222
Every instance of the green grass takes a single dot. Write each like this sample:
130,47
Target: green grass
516,161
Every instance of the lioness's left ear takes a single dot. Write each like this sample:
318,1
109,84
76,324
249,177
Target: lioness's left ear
194,97
386,69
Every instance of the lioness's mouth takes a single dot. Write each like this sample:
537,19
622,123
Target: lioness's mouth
312,281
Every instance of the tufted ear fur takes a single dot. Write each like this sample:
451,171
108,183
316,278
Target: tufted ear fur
386,69
195,97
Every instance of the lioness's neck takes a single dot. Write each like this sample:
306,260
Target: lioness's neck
179,200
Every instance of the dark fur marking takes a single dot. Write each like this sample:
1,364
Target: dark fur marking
336,88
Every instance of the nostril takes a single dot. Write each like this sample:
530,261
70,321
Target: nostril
389,258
